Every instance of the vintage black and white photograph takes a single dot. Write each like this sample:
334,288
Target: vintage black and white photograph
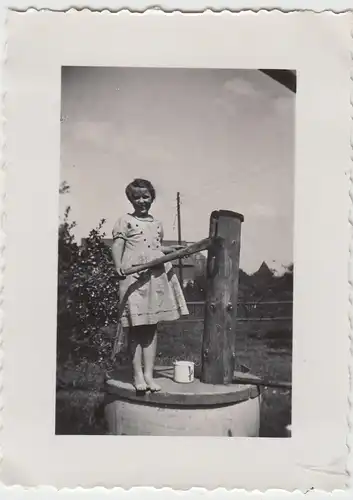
177,237
175,272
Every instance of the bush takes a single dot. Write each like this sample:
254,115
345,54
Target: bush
87,296
194,291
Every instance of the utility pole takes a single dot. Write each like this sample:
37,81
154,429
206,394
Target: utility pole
179,240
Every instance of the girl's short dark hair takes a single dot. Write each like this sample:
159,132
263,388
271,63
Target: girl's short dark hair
140,183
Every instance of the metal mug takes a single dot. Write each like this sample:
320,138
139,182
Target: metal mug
184,372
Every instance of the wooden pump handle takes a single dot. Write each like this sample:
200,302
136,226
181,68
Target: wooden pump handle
248,379
178,254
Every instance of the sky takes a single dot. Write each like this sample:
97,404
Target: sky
224,138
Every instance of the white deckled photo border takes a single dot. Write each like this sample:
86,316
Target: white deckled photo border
317,46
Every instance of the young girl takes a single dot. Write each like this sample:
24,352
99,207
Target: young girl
149,296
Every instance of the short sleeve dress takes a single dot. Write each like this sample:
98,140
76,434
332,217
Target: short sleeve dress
154,295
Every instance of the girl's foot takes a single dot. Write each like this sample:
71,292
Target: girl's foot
151,384
140,383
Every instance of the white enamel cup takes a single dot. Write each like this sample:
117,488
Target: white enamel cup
184,372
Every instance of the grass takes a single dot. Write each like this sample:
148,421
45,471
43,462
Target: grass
264,347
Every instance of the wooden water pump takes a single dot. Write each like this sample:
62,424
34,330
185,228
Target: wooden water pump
218,344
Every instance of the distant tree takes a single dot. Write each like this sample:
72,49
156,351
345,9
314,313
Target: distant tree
195,290
285,282
289,274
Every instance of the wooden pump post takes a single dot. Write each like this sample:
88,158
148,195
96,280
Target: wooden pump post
218,344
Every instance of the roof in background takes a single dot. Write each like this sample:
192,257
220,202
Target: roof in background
287,77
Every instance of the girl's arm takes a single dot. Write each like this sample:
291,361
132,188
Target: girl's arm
172,248
117,251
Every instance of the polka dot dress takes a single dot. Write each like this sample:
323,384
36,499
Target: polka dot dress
154,295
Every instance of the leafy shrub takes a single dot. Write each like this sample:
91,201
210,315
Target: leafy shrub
195,291
87,295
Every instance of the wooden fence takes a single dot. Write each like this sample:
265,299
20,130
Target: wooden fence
248,311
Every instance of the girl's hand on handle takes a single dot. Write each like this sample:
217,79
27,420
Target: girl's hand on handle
120,272
173,248
178,247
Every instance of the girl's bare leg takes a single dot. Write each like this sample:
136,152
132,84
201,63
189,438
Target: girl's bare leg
149,345
136,358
